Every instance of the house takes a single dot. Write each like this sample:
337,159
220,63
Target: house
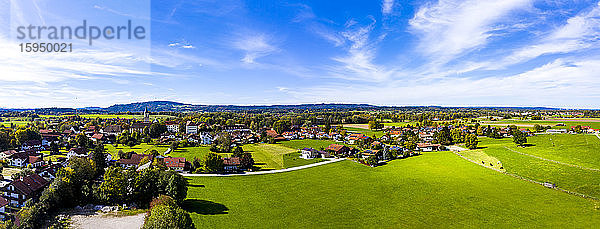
134,161
32,145
191,127
97,137
556,131
77,152
49,172
138,127
231,164
428,147
19,191
309,153
35,161
112,130
337,149
21,159
175,163
172,126
7,153
205,138
3,210
369,153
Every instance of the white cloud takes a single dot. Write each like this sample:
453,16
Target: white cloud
580,32
255,46
450,28
387,7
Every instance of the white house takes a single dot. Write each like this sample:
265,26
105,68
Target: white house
77,152
205,138
172,126
191,128
556,131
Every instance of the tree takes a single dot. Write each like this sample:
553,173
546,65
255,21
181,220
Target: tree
99,158
82,140
173,184
246,161
165,214
519,138
25,135
372,160
213,163
238,152
443,136
114,187
280,126
457,135
156,129
471,141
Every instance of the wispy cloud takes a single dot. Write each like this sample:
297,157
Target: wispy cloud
255,45
387,7
450,28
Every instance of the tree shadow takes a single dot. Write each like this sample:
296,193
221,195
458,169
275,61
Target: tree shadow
204,207
481,147
196,185
528,145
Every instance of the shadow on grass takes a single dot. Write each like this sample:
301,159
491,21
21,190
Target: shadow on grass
204,207
196,185
481,147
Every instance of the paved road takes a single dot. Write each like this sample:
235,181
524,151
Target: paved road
265,172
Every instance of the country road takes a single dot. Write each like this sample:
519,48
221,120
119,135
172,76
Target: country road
264,172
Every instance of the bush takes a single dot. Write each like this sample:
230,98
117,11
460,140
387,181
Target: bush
164,213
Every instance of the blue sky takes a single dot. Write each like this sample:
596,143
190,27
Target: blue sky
449,53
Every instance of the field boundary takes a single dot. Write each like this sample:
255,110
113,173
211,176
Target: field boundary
553,161
527,179
263,172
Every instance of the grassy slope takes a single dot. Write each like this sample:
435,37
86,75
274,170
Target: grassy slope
311,143
268,156
367,132
571,152
431,190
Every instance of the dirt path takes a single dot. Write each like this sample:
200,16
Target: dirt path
264,172
107,221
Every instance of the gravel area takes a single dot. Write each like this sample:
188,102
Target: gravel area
107,221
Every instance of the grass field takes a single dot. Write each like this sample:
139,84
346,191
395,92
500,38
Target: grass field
308,143
433,190
192,152
141,148
293,160
530,123
110,116
544,159
268,156
16,123
367,132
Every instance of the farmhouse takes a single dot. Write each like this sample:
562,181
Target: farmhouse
77,152
428,147
134,161
310,153
175,163
112,130
231,164
337,149
19,191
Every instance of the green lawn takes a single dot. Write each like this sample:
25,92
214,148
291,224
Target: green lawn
568,124
367,132
293,160
308,143
192,152
579,150
268,156
16,123
141,148
434,190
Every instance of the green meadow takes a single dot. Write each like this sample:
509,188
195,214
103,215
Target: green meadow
571,162
433,190
530,123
